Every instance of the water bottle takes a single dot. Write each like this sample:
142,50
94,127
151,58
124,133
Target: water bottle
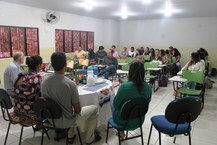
90,76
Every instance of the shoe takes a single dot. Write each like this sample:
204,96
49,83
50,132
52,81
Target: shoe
97,138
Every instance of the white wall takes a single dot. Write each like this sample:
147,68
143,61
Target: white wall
190,32
19,15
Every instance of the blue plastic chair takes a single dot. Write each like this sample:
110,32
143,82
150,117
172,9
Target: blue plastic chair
177,119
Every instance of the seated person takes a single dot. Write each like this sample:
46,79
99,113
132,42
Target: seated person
195,64
146,51
64,91
12,71
92,57
101,54
135,87
83,61
132,52
124,53
27,90
111,64
157,58
79,53
139,55
115,54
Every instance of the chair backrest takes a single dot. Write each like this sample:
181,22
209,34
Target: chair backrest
125,67
5,100
5,103
150,65
130,60
147,57
194,76
134,108
122,60
184,110
47,108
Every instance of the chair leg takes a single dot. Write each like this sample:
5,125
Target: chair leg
79,135
42,135
149,137
159,137
141,135
189,135
21,134
6,137
46,130
119,137
107,132
126,134
174,140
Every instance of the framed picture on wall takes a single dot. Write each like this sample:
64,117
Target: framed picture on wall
5,42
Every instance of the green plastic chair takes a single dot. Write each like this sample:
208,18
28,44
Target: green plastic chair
151,77
147,58
130,60
126,67
197,77
122,60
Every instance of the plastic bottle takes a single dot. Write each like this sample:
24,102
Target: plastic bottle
90,76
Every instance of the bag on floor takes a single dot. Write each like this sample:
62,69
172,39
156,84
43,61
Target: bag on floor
208,83
213,72
163,81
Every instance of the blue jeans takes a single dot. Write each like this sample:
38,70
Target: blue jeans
108,71
190,85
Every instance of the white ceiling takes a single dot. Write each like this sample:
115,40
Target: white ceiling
109,9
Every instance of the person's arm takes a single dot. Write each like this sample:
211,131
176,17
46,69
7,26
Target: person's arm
116,63
77,108
186,66
202,65
118,98
178,58
75,99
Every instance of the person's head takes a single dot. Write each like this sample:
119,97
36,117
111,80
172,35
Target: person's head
162,52
167,52
202,55
170,48
110,53
142,49
125,49
157,52
18,57
34,63
80,48
138,51
101,48
147,49
58,61
132,49
113,47
152,50
137,75
90,51
195,57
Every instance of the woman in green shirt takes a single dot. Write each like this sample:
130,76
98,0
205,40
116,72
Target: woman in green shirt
135,87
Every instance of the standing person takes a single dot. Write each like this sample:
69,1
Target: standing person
80,53
115,54
101,54
64,91
177,55
12,71
132,52
157,57
124,53
136,87
111,64
27,91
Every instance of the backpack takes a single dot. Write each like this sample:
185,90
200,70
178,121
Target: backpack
163,81
208,83
213,72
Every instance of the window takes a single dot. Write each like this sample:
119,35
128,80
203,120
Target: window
13,39
70,40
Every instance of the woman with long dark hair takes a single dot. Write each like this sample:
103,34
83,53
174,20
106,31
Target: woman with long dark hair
134,88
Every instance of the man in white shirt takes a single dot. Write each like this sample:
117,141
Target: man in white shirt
12,71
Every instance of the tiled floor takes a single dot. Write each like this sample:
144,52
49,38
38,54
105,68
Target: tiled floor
204,130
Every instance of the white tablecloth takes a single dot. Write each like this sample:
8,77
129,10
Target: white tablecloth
98,95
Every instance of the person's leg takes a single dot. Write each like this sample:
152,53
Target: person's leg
90,115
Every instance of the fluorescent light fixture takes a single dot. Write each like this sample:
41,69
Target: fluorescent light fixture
88,4
124,13
146,2
169,10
